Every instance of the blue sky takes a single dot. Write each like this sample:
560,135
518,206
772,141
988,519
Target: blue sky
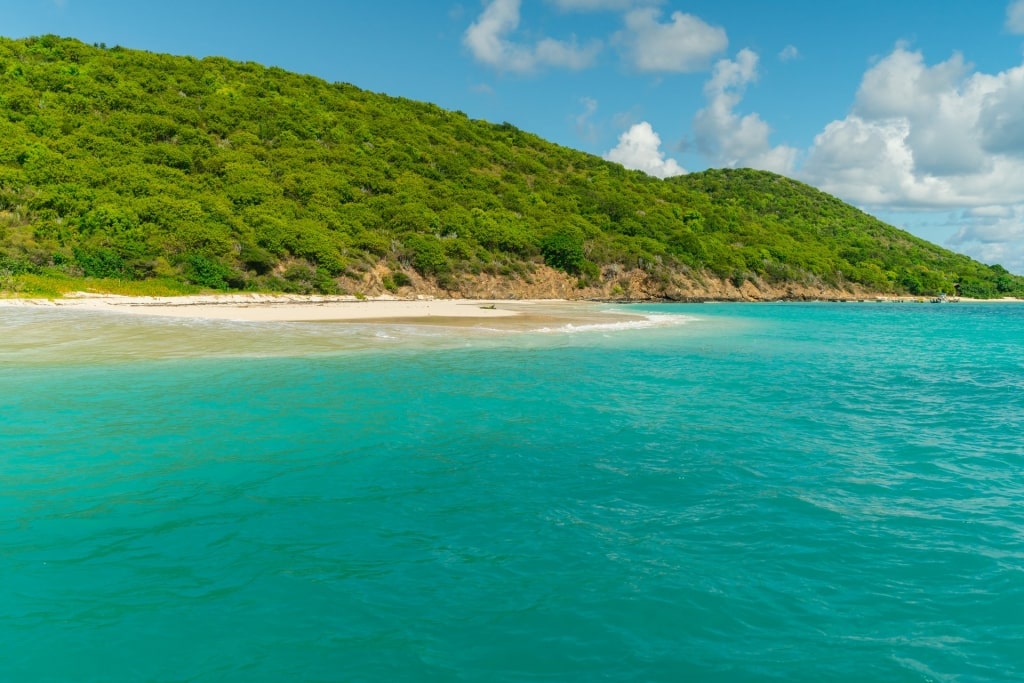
910,109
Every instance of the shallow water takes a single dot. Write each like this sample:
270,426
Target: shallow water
716,492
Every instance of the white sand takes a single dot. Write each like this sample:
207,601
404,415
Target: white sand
284,308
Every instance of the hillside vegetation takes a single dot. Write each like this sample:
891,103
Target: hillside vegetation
121,165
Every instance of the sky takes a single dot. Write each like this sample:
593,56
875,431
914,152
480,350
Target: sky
912,110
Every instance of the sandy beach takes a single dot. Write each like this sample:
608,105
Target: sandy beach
111,328
313,308
286,308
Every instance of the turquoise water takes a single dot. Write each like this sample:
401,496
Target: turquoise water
729,493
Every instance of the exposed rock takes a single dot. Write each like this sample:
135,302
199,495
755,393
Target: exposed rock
633,285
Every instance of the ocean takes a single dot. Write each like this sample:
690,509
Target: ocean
733,492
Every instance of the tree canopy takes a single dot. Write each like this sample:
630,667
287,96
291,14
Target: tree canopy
124,164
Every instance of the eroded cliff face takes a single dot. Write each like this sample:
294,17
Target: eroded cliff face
635,285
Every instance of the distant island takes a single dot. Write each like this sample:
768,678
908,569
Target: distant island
133,172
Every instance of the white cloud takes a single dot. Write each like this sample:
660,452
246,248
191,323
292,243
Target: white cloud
733,74
992,234
993,229
598,5
989,212
789,53
487,39
726,137
685,44
926,136
939,137
1015,17
1001,115
639,149
865,162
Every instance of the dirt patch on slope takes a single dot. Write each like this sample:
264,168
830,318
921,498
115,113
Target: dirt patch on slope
632,285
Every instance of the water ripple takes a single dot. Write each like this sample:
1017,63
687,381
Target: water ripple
789,492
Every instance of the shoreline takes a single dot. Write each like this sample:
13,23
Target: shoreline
281,308
252,307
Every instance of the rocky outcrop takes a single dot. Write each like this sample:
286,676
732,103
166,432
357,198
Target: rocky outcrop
634,285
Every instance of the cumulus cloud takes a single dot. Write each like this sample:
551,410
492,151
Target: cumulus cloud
926,136
684,44
639,149
487,39
789,53
867,162
992,234
728,138
937,137
941,117
1001,115
1015,17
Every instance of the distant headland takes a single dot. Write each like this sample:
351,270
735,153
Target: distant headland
131,172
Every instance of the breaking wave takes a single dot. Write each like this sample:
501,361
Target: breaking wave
648,322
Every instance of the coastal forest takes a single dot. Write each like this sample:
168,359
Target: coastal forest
124,168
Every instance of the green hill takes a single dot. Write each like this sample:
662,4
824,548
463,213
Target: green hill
120,165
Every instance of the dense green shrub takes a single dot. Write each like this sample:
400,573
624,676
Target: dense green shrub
563,249
100,262
427,254
207,272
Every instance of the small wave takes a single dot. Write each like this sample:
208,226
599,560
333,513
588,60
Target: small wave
648,322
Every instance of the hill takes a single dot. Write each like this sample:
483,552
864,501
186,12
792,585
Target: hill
121,165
